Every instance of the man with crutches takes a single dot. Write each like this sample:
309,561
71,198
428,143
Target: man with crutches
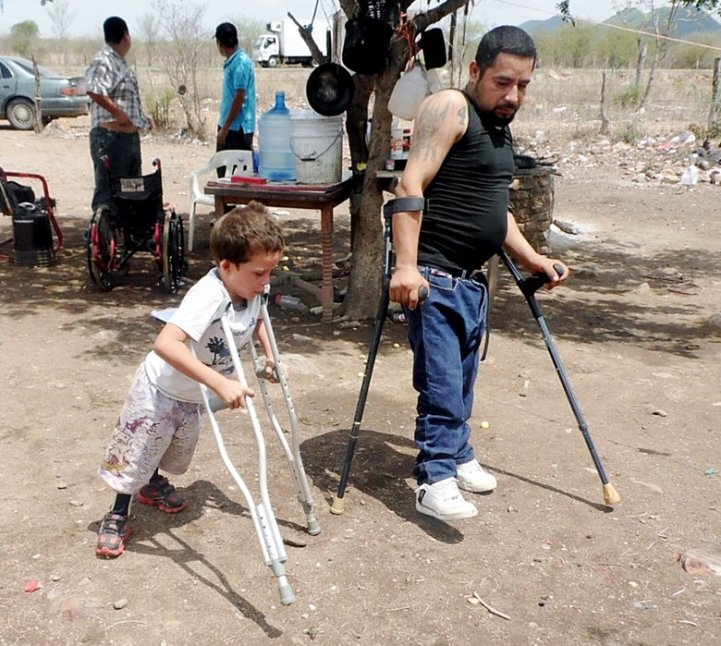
461,164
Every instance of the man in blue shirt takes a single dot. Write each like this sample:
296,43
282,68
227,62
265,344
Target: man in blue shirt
236,124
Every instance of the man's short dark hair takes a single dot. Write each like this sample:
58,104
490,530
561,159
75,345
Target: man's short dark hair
114,29
504,40
226,34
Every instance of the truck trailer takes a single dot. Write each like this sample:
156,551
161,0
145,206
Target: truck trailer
283,44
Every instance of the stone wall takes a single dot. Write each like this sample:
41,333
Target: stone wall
531,199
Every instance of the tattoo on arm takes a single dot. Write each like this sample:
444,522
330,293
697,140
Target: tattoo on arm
428,124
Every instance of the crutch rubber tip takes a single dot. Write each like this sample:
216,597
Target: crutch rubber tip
610,495
313,527
287,596
337,507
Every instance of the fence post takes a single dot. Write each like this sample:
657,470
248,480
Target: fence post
714,117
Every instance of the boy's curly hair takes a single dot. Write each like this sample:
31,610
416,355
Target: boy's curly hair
243,232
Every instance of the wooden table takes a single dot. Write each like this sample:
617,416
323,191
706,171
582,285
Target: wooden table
322,197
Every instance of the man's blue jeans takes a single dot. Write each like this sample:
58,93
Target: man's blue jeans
445,334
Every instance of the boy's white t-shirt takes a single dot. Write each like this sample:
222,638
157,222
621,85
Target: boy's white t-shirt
199,317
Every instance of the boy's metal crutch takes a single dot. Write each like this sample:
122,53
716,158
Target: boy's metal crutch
389,209
529,286
266,526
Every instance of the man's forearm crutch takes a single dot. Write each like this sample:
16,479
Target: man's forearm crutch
266,526
389,209
529,286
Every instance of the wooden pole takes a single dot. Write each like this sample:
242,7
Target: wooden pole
714,117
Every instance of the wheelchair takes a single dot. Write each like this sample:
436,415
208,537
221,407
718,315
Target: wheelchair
134,221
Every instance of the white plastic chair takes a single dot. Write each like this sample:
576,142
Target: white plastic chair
238,162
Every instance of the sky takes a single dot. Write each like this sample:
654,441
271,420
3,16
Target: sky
88,15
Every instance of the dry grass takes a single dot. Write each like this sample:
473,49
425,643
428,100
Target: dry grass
559,102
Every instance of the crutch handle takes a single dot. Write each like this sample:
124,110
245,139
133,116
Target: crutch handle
533,283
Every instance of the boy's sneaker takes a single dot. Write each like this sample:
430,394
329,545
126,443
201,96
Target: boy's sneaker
473,477
163,495
113,535
443,501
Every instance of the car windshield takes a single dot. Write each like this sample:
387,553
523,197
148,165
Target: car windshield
28,66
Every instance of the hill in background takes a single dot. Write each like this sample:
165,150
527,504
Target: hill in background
688,21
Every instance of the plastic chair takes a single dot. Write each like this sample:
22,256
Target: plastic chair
240,162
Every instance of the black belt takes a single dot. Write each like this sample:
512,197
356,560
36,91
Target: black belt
463,274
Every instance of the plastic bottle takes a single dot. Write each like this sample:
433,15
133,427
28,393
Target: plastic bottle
286,302
395,153
275,128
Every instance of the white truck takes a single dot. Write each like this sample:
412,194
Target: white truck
283,44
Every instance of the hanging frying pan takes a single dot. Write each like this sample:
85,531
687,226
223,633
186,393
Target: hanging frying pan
329,89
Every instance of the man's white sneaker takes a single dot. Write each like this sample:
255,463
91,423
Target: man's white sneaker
473,477
443,501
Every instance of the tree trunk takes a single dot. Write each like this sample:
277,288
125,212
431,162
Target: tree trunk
641,61
364,286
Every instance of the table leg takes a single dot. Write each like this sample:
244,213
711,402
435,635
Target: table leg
326,241
219,205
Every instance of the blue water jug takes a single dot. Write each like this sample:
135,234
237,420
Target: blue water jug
277,161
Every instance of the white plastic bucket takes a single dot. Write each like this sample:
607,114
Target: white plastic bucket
317,143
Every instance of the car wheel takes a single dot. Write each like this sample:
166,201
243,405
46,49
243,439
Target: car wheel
273,62
21,114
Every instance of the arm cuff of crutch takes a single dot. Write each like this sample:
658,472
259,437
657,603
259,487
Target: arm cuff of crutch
404,204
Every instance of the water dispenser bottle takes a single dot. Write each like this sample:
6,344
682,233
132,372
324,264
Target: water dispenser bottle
277,161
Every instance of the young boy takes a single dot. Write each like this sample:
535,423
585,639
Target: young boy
160,421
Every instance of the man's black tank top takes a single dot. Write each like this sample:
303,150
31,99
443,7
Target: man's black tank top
465,221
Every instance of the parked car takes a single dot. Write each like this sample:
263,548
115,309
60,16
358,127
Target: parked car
61,96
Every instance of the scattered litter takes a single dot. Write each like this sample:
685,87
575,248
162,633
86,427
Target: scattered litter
689,177
294,542
697,561
644,605
689,288
476,600
32,585
712,472
567,227
648,485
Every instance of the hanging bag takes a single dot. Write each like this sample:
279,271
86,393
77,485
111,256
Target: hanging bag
409,91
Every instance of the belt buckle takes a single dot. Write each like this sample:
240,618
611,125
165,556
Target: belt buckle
434,271
472,274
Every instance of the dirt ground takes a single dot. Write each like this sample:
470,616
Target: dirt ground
545,562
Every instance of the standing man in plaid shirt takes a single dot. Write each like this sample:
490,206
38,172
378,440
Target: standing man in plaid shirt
116,112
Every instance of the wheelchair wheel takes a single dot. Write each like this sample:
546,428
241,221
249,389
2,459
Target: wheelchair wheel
173,252
101,247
